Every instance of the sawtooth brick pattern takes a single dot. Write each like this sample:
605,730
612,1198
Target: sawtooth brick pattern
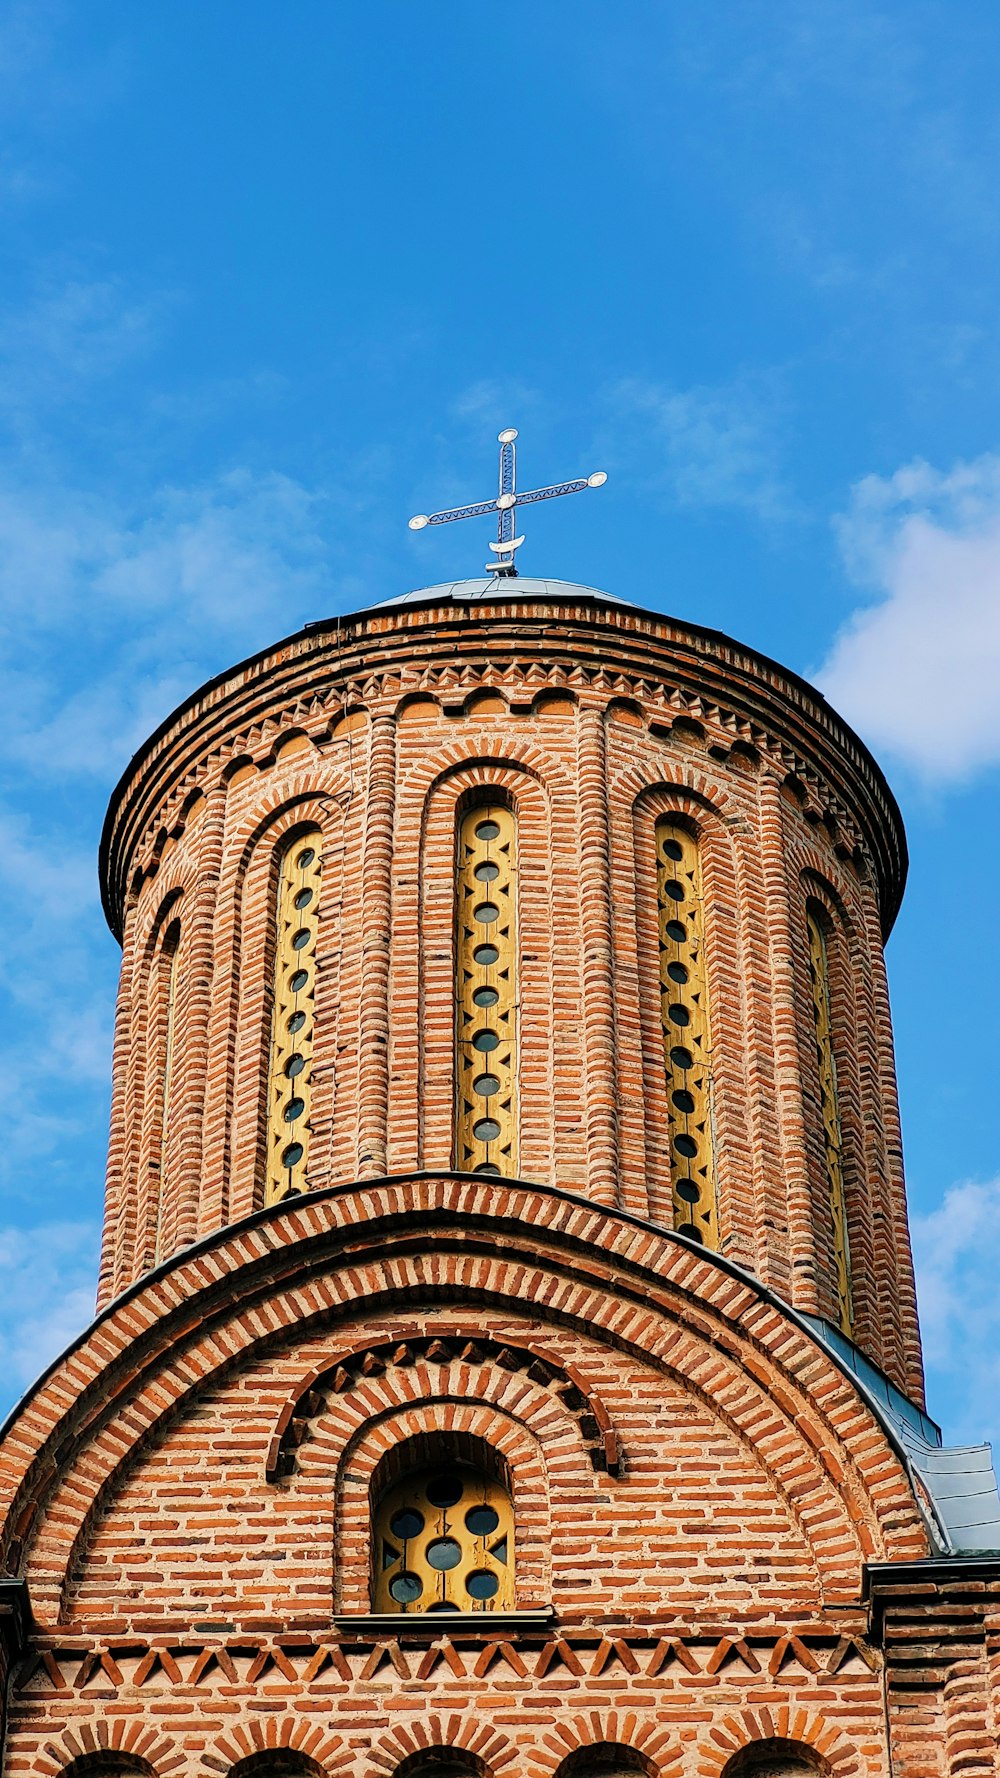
591,722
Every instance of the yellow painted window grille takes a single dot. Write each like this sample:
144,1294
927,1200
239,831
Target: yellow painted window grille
171,957
289,1086
687,1046
819,972
486,992
444,1541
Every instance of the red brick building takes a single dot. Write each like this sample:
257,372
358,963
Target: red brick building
506,1360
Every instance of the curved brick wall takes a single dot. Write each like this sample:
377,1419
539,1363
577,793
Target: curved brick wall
593,719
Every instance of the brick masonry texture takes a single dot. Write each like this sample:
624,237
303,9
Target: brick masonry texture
718,1544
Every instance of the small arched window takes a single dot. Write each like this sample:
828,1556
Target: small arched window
833,1145
443,1541
289,1084
608,1759
687,1041
486,991
775,1758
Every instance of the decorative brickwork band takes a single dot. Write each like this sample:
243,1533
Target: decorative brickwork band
289,1084
486,992
687,1043
819,973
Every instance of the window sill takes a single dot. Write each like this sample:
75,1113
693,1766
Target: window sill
365,1623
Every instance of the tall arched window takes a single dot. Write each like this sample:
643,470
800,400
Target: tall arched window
170,966
289,1085
819,973
443,1541
687,1046
486,991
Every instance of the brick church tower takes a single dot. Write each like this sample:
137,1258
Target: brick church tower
506,1362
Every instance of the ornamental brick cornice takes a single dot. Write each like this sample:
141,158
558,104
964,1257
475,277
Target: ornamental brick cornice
689,682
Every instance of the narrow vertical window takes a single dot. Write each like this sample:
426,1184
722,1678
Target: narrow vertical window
289,1087
687,1049
171,953
486,992
819,971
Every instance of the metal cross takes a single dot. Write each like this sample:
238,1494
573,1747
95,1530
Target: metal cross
508,498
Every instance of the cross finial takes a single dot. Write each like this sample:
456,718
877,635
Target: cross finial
507,500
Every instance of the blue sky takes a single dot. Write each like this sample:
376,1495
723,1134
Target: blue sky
272,278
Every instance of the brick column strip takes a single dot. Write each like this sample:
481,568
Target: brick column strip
376,901
600,1048
181,1224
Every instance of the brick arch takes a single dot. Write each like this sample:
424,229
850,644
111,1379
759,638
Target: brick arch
245,927
250,1741
438,1732
130,1742
780,1722
598,1729
424,975
723,865
621,1282
515,1430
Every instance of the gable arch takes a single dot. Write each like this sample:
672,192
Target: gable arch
623,1283
595,1734
113,1744
398,1752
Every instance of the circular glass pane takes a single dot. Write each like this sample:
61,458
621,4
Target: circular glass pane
681,1058
677,972
485,997
444,1489
405,1588
677,930
683,1101
303,898
486,873
485,955
485,913
486,1129
487,830
686,1189
486,1085
406,1523
301,939
693,1234
678,1015
673,849
488,1167
674,889
481,1520
482,1584
442,1605
305,858
292,1155
294,1066
294,1109
444,1553
299,981
296,1021
485,1041
687,1146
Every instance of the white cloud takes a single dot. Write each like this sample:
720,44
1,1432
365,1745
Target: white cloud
47,1289
918,672
708,447
956,1250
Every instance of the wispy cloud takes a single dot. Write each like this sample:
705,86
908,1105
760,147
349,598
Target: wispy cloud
957,1254
47,1290
918,672
707,447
